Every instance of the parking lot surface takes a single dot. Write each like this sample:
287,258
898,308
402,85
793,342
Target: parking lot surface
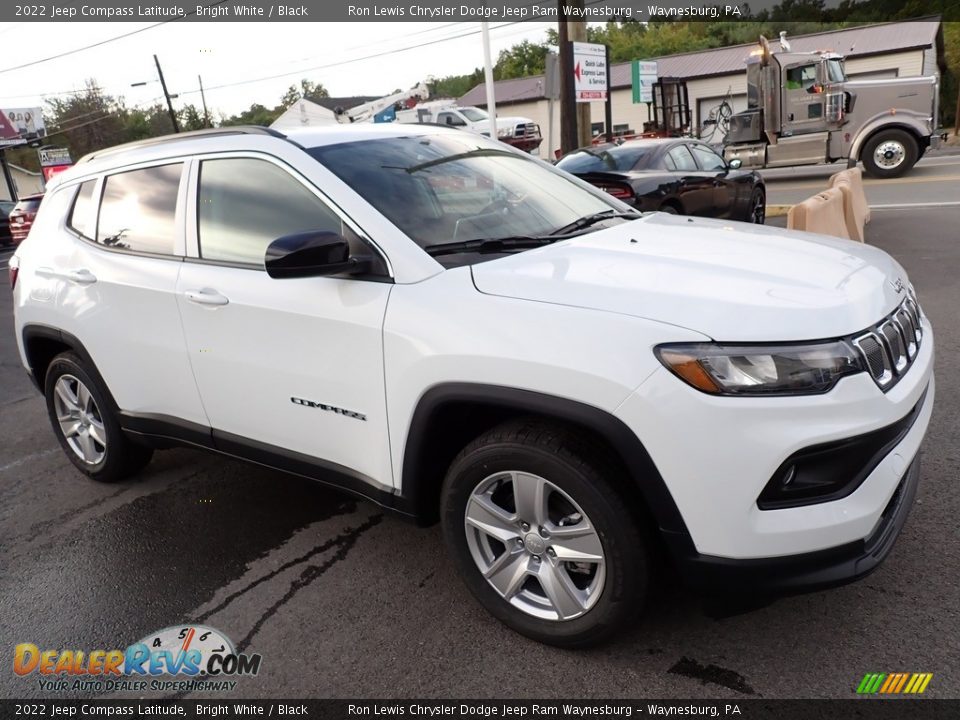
343,601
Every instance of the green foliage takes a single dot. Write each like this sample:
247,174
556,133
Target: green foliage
307,90
453,86
521,60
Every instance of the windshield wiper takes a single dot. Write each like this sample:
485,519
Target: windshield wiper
588,220
490,245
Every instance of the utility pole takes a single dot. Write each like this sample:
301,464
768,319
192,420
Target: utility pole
203,99
163,84
568,105
488,79
7,177
578,33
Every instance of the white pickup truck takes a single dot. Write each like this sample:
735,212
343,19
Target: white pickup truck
520,132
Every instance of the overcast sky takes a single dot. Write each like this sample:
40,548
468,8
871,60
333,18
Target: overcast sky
237,52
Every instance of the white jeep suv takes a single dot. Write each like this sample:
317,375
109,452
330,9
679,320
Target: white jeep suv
458,331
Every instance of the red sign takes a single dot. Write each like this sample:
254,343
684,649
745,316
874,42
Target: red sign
49,172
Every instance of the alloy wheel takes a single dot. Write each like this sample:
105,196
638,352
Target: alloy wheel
535,546
80,420
889,154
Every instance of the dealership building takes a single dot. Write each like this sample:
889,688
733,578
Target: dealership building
898,49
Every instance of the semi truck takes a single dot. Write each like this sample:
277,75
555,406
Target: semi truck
803,110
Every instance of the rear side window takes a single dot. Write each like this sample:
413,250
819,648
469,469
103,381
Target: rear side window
245,204
81,215
138,208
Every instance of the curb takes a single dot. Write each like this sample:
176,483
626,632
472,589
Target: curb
778,210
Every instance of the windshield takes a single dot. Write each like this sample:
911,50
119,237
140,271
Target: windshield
615,158
835,71
473,114
457,187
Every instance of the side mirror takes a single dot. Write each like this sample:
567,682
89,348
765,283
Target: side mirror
735,164
311,254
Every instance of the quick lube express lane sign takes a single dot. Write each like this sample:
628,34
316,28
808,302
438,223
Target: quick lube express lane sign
589,71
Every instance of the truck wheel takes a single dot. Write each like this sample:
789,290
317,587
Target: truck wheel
758,207
542,536
889,153
85,425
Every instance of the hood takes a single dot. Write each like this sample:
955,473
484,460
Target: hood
509,121
728,280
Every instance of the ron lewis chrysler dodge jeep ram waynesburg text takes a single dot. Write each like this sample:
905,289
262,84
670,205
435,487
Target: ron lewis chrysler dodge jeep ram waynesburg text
461,332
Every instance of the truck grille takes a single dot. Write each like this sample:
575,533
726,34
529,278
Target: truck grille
890,347
526,130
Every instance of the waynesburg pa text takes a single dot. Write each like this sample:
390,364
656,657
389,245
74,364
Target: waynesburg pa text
602,12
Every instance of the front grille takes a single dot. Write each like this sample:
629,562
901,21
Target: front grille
889,348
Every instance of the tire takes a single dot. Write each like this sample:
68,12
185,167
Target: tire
889,153
757,213
98,448
584,511
670,209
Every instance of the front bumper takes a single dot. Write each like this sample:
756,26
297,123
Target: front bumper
809,571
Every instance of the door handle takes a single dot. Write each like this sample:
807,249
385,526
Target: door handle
81,276
206,296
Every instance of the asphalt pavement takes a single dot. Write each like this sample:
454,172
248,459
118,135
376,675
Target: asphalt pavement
343,601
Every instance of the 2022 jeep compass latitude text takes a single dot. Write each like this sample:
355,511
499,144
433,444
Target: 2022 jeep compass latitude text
460,332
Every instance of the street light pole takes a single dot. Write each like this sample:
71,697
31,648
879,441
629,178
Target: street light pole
163,84
203,98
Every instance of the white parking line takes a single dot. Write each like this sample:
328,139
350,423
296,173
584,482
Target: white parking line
899,206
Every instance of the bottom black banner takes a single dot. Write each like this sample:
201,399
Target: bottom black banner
867,708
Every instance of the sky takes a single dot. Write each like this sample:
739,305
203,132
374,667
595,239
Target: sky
240,52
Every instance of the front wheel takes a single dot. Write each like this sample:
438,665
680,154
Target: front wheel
542,535
758,207
890,153
86,427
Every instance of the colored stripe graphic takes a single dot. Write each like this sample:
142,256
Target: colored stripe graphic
894,683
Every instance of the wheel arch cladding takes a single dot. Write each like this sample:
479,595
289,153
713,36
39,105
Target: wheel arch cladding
43,343
449,416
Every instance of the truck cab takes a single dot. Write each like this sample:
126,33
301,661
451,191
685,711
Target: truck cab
803,110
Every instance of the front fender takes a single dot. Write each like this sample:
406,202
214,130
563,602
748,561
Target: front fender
909,120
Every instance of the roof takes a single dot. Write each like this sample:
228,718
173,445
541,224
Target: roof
304,113
849,42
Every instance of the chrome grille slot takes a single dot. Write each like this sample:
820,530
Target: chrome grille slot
895,346
876,356
907,330
890,346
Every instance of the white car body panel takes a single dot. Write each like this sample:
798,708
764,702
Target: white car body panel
708,275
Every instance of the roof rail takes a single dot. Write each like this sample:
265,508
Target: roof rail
189,135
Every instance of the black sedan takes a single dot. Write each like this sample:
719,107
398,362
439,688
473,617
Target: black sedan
675,175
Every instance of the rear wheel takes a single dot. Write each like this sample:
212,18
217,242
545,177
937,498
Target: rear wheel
542,536
889,153
84,424
669,208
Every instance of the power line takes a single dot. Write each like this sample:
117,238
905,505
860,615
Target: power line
103,42
348,62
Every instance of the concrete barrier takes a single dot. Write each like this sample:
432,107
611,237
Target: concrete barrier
855,208
823,213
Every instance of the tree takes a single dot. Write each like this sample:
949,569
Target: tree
256,114
308,90
521,60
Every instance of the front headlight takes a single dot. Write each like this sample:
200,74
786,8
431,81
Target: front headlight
505,132
795,369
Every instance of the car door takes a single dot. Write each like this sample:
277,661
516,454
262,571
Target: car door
724,190
292,368
118,289
695,188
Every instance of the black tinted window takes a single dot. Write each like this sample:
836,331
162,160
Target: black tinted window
613,158
708,159
138,208
81,215
245,204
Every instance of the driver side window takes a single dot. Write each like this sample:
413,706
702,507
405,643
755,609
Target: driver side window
244,204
